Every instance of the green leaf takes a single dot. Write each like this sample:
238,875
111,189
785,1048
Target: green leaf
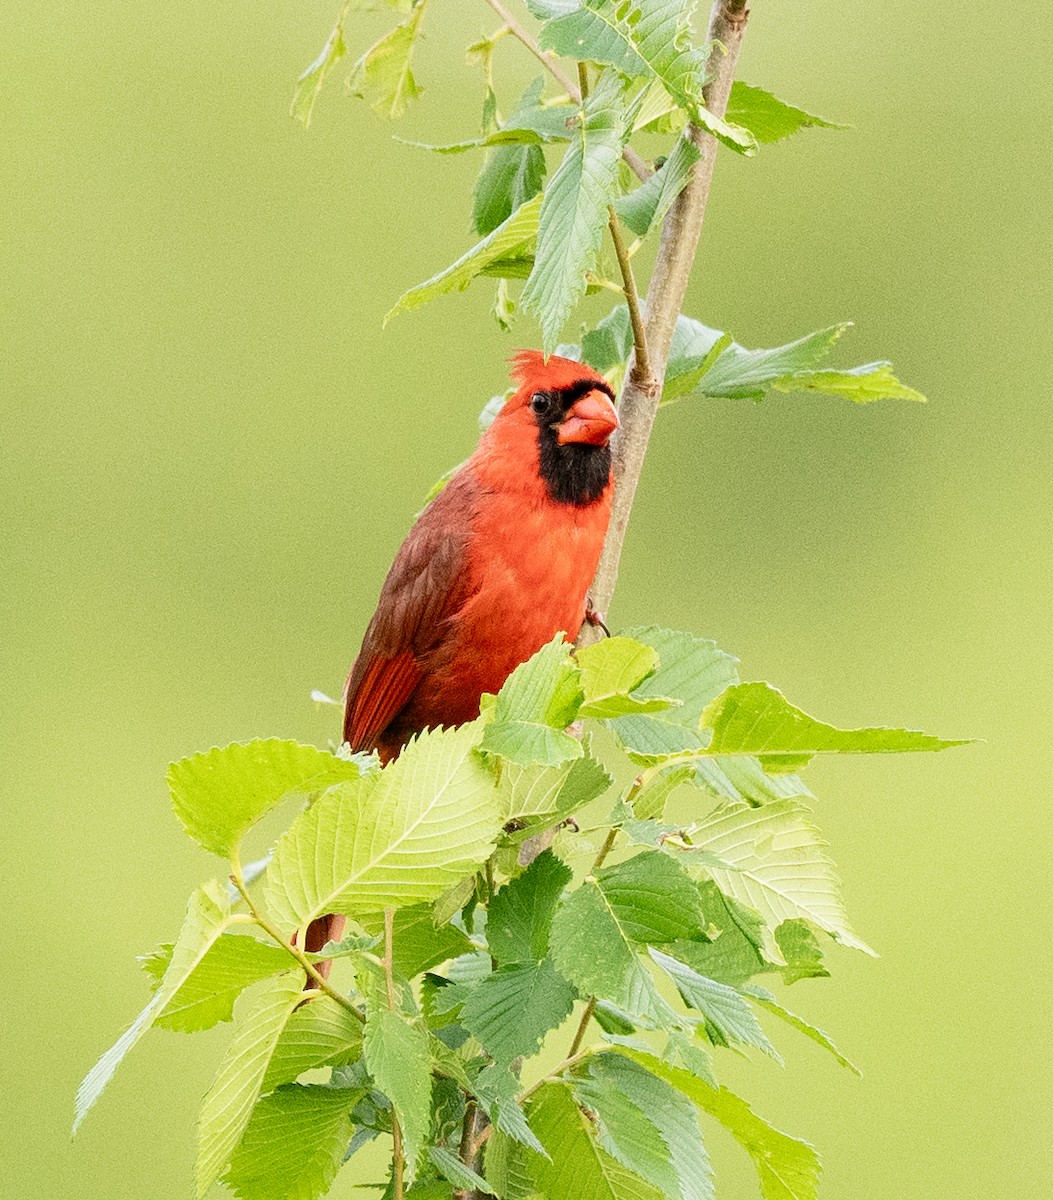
613,668
691,669
218,795
777,867
389,840
382,75
741,779
399,1059
521,912
592,951
294,1143
729,1020
510,1011
451,1168
229,1103
652,898
755,718
310,82
229,966
735,950
648,204
646,1125
861,385
511,176
496,1088
748,374
537,702
418,942
207,918
649,802
548,794
766,117
574,210
599,927
320,1034
510,240
766,1000
800,948
640,38
577,1168
788,1169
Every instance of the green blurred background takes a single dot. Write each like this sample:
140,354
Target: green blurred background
211,451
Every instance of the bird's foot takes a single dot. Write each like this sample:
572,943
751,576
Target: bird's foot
597,619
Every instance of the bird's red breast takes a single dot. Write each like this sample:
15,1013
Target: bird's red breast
497,564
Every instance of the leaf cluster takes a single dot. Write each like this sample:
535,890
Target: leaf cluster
505,897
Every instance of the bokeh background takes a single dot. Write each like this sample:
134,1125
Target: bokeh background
211,450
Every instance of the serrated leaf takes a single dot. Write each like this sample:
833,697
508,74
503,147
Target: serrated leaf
220,794
536,703
496,1088
742,780
294,1143
510,1011
639,38
419,942
735,949
398,1056
646,1125
311,81
229,1103
574,210
548,794
748,374
691,669
577,1168
512,175
768,118
755,718
649,802
729,1020
647,205
652,898
778,868
512,239
521,912
229,966
383,75
593,949
862,385
390,840
766,1000
788,1169
800,948
207,918
611,670
452,1169
320,1034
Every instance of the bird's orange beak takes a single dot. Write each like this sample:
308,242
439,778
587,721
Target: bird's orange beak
592,420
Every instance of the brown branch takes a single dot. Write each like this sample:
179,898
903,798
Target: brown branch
665,299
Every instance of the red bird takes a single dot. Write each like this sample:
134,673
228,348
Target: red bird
495,566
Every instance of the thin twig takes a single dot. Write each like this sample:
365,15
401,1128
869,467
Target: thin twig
606,848
632,296
579,1037
570,1061
398,1158
272,932
665,300
636,164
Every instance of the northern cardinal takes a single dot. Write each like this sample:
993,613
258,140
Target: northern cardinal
497,564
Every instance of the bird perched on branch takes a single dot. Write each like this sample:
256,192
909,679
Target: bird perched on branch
497,564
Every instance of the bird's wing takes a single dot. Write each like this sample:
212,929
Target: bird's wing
427,584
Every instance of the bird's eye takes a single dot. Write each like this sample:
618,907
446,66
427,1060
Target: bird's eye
539,402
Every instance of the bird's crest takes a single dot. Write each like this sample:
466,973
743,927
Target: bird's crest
531,369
